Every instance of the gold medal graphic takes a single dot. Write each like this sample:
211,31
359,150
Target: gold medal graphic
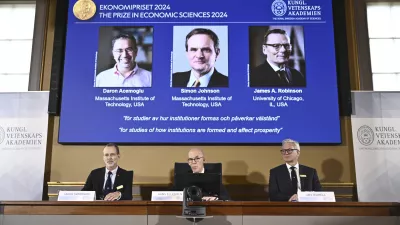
84,9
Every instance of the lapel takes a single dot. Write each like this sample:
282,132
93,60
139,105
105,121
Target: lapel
289,75
275,77
302,179
286,176
101,178
213,80
186,79
117,179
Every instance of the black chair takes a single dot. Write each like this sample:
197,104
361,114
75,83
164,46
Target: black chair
209,167
131,173
185,168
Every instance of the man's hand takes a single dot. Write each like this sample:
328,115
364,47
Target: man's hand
113,196
209,198
293,198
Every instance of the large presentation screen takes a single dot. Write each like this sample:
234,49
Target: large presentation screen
211,72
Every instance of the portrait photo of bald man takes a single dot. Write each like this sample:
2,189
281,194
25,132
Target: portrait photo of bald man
277,56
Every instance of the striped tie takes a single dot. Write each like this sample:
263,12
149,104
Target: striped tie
196,84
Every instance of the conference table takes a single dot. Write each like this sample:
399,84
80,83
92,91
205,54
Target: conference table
221,213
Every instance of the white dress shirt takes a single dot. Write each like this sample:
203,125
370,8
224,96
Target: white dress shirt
202,171
274,67
113,78
204,80
297,174
114,174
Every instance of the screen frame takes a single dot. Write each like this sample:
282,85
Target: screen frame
342,74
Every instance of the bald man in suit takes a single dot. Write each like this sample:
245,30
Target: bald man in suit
196,159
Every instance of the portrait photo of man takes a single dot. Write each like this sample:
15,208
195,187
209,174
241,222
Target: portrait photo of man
197,52
124,57
277,57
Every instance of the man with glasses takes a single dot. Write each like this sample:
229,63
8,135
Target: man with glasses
274,72
126,72
289,178
196,161
111,182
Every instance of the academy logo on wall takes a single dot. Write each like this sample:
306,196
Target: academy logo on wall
365,135
373,137
2,135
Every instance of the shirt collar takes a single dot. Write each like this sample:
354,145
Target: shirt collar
114,171
297,166
135,69
204,80
202,171
275,68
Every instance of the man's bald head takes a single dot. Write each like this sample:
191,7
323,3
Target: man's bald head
196,160
196,151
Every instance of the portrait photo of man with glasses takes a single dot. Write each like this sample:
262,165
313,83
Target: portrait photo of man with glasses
124,58
277,57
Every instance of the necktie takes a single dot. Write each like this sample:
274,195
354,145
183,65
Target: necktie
284,77
196,84
294,179
108,186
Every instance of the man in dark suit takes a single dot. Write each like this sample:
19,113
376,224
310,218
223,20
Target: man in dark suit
196,162
287,179
110,182
202,50
274,72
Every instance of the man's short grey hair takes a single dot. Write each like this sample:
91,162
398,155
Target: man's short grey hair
293,142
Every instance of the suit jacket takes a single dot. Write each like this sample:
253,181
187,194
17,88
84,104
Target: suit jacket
264,76
280,184
95,182
217,79
223,194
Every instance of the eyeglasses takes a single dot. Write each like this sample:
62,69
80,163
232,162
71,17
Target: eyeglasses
127,50
279,46
287,151
196,159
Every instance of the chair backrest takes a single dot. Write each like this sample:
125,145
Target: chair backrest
185,168
130,172
209,167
